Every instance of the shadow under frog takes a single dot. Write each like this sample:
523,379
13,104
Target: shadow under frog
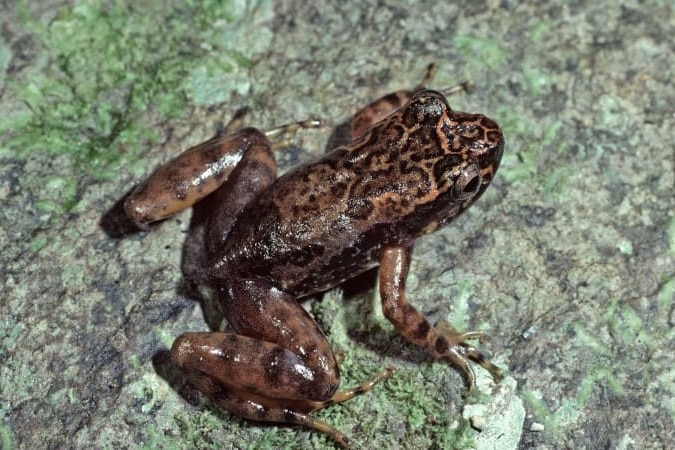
263,242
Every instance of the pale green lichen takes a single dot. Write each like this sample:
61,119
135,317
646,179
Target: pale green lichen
484,52
112,67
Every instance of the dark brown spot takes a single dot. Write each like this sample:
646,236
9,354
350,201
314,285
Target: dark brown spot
338,190
302,256
441,345
422,330
272,361
290,416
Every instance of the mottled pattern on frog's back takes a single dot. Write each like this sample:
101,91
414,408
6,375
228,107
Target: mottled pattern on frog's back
307,232
324,222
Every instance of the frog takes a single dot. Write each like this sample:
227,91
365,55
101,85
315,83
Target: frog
411,165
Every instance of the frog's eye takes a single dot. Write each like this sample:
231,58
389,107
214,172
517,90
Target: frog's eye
468,182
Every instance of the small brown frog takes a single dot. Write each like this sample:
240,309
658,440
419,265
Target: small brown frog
413,166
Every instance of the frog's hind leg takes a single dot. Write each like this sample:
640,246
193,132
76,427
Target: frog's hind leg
230,360
279,366
192,175
204,168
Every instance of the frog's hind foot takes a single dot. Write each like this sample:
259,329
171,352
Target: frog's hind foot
296,417
348,394
282,136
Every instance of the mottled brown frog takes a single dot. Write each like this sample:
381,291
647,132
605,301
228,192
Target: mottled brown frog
413,166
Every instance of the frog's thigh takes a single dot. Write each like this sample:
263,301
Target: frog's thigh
256,171
190,176
254,308
243,364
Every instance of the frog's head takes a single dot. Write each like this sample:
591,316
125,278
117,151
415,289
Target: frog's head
459,151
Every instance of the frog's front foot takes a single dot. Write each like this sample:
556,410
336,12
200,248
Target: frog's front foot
461,351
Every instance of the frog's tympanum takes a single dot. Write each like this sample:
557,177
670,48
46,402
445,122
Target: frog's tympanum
413,165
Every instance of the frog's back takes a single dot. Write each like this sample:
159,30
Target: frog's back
309,231
325,222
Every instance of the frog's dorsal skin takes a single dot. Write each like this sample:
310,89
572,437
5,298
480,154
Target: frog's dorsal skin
325,221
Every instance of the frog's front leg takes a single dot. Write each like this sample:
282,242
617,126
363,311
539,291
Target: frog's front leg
440,342
278,367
